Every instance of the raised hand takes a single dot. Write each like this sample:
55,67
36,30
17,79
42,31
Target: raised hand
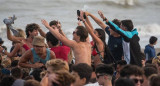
45,23
81,15
101,14
52,79
87,13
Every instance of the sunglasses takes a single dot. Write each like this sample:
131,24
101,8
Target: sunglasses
136,80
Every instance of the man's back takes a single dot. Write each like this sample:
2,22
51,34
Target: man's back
82,52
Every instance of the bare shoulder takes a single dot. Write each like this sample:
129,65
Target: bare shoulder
52,54
27,54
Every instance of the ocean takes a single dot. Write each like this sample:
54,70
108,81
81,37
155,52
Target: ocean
145,14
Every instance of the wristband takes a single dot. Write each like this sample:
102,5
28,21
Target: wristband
105,19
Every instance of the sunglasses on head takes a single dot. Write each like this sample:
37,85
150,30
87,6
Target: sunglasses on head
136,80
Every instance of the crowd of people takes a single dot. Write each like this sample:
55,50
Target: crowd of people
79,62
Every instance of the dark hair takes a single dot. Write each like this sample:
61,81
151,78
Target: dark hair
82,32
151,65
117,22
1,41
108,57
124,82
36,74
101,33
121,62
154,80
16,72
129,70
7,81
128,24
104,68
152,39
83,70
54,22
30,28
51,38
14,63
149,71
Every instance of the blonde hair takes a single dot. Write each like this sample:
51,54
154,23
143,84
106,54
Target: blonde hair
21,33
57,64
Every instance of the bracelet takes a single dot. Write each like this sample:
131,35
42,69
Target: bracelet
105,19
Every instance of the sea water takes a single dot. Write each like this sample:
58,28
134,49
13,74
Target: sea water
145,14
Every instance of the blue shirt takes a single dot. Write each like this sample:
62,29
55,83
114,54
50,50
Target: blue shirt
115,45
149,52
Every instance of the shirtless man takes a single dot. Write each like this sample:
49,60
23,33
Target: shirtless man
31,31
81,48
37,56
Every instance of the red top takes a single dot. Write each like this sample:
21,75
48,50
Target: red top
94,52
25,46
61,52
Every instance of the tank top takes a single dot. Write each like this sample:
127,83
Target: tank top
36,58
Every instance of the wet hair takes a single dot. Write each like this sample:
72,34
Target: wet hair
82,32
54,22
152,39
16,72
129,70
149,71
31,27
57,64
128,24
51,38
124,82
105,69
83,70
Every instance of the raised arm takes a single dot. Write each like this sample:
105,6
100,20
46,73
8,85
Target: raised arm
91,30
42,33
59,36
11,37
98,21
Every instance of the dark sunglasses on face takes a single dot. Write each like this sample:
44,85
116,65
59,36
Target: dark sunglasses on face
136,80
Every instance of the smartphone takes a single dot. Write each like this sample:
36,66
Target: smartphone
78,12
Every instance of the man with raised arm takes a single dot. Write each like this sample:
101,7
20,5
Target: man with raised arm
81,48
